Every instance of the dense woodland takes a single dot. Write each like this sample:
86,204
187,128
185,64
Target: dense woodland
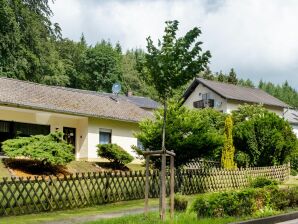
32,48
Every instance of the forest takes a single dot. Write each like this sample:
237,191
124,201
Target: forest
32,48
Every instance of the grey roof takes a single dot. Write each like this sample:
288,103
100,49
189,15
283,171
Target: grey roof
70,101
291,116
143,102
235,92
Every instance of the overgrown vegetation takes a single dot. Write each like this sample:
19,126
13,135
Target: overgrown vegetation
190,133
114,153
49,149
260,182
180,203
246,202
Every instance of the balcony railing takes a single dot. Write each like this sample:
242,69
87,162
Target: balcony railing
203,103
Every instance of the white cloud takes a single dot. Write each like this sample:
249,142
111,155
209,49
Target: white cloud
257,38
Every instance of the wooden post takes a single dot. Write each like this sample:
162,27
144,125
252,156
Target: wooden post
163,187
172,186
147,186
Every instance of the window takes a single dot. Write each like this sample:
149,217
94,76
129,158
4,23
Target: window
105,136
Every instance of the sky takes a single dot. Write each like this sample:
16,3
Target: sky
258,38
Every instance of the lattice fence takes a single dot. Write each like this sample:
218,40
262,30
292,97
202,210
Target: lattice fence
39,194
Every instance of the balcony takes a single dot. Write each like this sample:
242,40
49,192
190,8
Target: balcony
203,103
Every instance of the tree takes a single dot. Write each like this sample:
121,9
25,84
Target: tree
228,152
232,77
263,136
190,133
73,55
132,80
50,149
27,42
102,67
173,63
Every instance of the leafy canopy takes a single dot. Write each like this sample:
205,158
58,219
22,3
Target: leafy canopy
191,133
174,61
50,149
263,136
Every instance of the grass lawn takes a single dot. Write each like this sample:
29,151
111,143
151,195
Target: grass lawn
180,218
69,214
293,181
3,170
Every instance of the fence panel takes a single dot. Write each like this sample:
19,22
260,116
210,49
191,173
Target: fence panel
39,194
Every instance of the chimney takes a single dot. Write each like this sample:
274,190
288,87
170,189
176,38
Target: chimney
129,93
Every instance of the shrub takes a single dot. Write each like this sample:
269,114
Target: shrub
190,133
260,182
49,149
294,172
180,202
114,153
246,202
264,136
227,157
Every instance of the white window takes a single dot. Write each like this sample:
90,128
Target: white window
105,136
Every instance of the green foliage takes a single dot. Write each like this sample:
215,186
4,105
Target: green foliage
227,157
180,203
260,182
284,92
245,202
27,42
242,159
191,133
174,61
114,153
294,160
102,67
50,149
262,135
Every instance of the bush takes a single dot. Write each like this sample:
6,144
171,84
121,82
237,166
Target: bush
246,202
294,172
264,136
180,203
190,133
260,182
114,153
49,149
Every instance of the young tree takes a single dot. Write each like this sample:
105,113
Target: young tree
173,62
169,66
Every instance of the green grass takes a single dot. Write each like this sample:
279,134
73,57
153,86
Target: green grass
81,167
3,170
180,218
69,214
291,182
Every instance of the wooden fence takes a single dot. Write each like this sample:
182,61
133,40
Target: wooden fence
39,194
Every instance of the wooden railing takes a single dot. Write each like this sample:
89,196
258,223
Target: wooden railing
40,194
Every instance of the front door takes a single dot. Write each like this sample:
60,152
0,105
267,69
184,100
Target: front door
70,135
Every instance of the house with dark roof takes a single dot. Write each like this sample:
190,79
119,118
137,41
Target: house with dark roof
87,118
227,97
291,116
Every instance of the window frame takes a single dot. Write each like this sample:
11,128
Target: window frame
106,131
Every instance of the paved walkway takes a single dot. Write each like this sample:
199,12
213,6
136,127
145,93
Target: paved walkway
294,221
100,216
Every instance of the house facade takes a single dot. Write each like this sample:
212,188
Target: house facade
87,118
292,116
227,97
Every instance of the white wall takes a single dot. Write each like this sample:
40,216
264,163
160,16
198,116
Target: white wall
122,134
295,129
227,105
55,120
200,89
